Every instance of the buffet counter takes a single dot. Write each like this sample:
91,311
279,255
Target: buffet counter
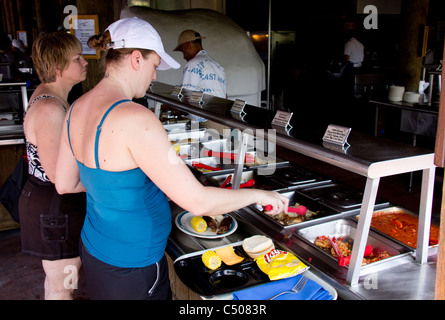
410,275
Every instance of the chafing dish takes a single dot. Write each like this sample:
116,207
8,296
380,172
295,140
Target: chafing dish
295,177
321,212
260,181
337,196
345,229
399,228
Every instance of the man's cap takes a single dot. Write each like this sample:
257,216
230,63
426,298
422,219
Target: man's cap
187,36
139,34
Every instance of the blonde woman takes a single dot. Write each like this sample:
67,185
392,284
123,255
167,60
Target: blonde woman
51,223
119,151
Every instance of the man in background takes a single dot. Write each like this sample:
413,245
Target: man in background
201,72
354,53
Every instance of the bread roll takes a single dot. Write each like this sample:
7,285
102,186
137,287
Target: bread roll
256,246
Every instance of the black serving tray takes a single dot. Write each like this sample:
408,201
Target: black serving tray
205,282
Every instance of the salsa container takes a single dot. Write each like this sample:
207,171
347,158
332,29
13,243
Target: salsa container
395,210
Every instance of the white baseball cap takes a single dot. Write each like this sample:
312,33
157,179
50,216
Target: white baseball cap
138,33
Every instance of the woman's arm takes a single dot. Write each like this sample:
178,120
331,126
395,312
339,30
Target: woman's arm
67,172
47,121
154,154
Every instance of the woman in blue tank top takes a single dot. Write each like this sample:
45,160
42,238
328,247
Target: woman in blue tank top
119,152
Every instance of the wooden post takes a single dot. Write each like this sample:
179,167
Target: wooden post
439,155
414,16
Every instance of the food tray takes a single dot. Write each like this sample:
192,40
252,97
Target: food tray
193,150
337,196
227,279
261,182
346,228
323,212
206,282
396,211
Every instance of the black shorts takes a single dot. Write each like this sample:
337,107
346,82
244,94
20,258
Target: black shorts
50,223
107,282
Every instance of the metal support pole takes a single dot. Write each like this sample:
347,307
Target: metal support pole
426,203
239,162
361,235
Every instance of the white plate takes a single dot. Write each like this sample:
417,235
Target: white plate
183,223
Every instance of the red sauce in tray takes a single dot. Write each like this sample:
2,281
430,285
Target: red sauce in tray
403,227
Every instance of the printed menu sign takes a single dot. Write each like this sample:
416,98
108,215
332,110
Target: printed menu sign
238,107
85,27
336,135
282,119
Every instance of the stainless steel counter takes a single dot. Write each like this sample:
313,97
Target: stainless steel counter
402,279
368,156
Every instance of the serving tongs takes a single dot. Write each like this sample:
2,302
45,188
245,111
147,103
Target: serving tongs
197,164
248,184
301,210
344,261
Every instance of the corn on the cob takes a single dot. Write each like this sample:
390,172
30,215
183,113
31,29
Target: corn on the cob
211,260
199,224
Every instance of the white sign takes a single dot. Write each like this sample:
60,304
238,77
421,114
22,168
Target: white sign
238,107
86,29
177,91
336,135
282,119
196,97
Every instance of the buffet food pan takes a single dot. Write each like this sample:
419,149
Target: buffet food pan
345,229
212,162
177,127
401,226
249,179
296,177
316,212
337,196
192,149
188,136
265,163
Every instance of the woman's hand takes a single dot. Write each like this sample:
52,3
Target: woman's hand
278,202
